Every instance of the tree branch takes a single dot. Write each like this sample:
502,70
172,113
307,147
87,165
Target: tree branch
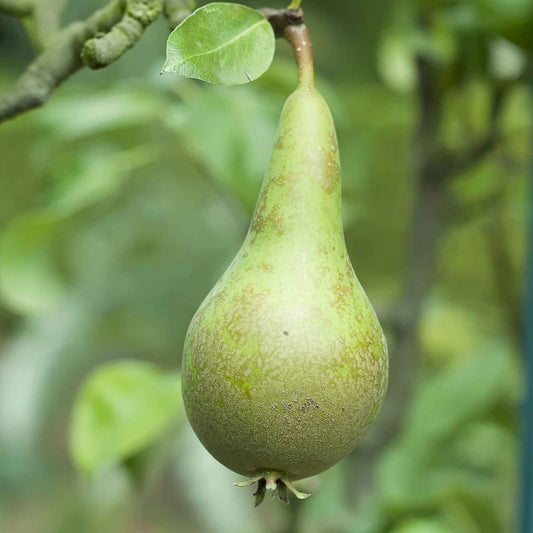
46,17
41,17
176,11
280,19
447,163
65,51
99,52
57,62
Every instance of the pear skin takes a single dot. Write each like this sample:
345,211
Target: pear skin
285,363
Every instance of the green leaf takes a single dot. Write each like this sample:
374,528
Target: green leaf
85,179
222,43
29,279
458,394
121,408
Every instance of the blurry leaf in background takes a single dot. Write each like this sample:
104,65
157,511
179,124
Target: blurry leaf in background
441,317
35,363
92,175
511,18
425,469
396,61
121,408
77,116
29,280
233,52
460,393
402,41
230,132
506,60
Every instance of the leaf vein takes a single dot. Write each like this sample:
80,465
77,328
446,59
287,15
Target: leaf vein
222,45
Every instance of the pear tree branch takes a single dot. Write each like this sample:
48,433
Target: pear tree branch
176,11
101,51
96,42
446,163
56,62
45,21
41,18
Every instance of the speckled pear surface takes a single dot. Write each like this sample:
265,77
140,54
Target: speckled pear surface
285,363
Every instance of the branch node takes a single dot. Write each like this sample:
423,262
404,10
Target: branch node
281,18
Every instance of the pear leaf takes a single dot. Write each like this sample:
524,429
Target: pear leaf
221,43
122,407
29,279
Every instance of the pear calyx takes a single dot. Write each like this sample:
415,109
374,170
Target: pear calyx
274,482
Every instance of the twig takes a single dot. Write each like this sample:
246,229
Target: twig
281,18
99,52
176,11
65,51
57,62
447,163
46,17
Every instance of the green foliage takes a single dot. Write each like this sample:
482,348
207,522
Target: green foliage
456,395
513,19
443,455
98,112
29,281
30,278
121,408
222,43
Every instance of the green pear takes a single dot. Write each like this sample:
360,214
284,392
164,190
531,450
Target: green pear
285,363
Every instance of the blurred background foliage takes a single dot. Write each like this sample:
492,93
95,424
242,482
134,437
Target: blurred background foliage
124,199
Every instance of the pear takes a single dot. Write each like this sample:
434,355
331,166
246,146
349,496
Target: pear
285,363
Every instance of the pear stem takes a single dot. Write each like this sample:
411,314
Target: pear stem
289,23
298,37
